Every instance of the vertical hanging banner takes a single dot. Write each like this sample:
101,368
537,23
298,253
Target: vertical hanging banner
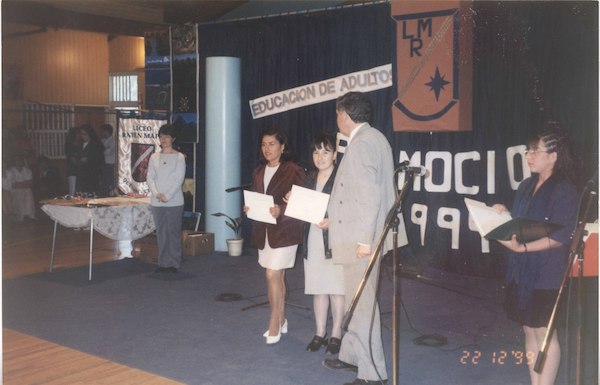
157,69
138,139
185,102
433,65
185,82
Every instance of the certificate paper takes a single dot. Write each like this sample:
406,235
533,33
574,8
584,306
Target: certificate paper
307,205
259,206
485,218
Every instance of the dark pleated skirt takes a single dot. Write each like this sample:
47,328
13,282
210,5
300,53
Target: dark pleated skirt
539,309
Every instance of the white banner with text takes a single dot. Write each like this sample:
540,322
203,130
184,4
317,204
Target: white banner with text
363,81
138,140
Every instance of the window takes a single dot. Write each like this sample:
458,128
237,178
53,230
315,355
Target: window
123,90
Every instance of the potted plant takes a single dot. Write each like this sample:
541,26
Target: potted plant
234,245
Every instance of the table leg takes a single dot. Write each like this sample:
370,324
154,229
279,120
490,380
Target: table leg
53,245
125,249
91,246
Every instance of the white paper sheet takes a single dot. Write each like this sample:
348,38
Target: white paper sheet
485,217
307,205
259,206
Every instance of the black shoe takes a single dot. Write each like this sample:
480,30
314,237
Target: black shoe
360,381
161,269
171,269
334,346
336,364
316,343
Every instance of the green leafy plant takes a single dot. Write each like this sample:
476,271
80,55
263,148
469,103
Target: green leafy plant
233,224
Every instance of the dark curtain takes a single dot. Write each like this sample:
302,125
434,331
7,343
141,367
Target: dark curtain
533,61
278,53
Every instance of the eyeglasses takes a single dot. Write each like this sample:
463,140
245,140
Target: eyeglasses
533,152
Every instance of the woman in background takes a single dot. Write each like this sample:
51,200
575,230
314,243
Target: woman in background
277,244
166,172
46,181
20,180
91,161
73,153
535,269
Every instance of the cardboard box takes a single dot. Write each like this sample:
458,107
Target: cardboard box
197,242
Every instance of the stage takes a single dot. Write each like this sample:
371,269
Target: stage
192,327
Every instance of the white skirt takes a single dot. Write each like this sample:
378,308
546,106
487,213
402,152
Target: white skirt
278,258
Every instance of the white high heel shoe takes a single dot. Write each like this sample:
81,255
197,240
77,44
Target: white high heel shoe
283,329
273,339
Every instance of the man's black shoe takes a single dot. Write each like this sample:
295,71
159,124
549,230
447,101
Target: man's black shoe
337,364
360,381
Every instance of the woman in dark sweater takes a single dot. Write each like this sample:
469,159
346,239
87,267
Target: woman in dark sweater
535,269
322,279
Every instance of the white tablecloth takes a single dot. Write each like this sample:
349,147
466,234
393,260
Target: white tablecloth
122,218
125,221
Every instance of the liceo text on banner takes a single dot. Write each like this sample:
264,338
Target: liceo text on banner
318,92
137,141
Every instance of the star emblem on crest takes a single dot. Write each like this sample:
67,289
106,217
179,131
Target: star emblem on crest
437,83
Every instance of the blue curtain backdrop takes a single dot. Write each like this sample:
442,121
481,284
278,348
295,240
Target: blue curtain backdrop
532,62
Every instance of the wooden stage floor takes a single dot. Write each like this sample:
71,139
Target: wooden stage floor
28,360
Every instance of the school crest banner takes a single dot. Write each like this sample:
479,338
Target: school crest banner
138,140
433,66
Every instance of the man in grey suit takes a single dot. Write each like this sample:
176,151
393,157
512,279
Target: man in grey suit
362,195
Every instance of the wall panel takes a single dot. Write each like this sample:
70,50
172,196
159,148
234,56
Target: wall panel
126,54
61,66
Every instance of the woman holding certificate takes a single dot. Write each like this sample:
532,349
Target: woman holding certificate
276,243
535,269
322,279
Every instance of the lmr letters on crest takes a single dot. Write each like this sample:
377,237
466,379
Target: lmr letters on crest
433,66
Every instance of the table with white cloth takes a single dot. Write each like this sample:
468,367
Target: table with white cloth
123,219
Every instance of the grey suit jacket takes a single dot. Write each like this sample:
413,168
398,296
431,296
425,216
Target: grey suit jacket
362,195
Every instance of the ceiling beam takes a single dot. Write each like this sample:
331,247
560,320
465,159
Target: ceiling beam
194,11
48,16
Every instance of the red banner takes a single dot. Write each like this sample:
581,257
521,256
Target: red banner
433,66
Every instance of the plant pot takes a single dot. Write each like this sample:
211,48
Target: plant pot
235,246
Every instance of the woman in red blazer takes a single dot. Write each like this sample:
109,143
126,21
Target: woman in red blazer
276,243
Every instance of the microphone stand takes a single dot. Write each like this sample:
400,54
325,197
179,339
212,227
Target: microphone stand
391,222
575,250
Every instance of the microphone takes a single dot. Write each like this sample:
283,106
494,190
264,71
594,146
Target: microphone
237,188
406,167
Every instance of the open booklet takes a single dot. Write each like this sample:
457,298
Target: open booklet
501,226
